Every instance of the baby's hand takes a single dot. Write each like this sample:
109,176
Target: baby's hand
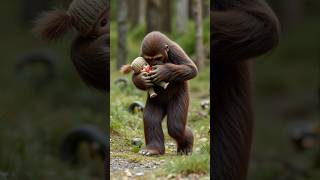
147,69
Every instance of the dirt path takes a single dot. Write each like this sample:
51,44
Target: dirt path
122,168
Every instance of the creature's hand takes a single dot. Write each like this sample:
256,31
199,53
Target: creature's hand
159,73
145,80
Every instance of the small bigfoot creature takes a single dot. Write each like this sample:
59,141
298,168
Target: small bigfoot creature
90,48
140,65
170,64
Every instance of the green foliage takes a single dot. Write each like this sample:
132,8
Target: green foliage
137,33
205,148
196,163
206,32
135,149
186,40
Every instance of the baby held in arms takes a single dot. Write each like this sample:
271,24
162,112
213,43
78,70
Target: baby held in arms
140,65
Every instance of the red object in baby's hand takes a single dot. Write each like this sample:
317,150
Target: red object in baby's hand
147,68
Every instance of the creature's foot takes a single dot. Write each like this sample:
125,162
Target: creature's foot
185,146
150,152
184,150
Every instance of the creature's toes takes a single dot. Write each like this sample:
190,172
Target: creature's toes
149,152
184,151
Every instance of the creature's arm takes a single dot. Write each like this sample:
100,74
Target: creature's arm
142,81
179,68
243,33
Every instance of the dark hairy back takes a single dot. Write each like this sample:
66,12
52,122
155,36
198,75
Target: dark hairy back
240,30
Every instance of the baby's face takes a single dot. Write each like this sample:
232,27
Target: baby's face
102,27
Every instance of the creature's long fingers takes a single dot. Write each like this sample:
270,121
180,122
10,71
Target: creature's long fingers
155,67
153,72
156,80
154,76
147,78
144,74
149,84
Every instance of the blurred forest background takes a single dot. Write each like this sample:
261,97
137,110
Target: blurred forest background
41,100
187,23
286,93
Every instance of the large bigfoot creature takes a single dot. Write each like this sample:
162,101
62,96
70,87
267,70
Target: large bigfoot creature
240,30
171,64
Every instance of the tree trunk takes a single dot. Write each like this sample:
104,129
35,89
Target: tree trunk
199,34
206,8
293,11
182,15
122,32
158,15
133,12
142,12
166,16
190,9
153,15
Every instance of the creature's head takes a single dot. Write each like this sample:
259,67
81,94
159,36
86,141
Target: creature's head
155,48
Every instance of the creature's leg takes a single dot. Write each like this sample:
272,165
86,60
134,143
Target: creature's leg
163,84
177,117
152,93
152,117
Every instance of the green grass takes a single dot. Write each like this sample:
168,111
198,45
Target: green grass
197,163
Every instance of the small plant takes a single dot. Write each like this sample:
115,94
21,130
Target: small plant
196,163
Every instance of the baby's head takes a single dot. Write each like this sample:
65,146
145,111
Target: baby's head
138,64
88,17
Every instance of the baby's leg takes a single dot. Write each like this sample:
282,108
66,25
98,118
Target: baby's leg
163,84
152,93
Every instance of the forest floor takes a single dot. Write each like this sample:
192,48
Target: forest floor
126,162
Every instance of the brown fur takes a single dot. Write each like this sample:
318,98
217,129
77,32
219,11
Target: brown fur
90,57
172,102
53,25
240,30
